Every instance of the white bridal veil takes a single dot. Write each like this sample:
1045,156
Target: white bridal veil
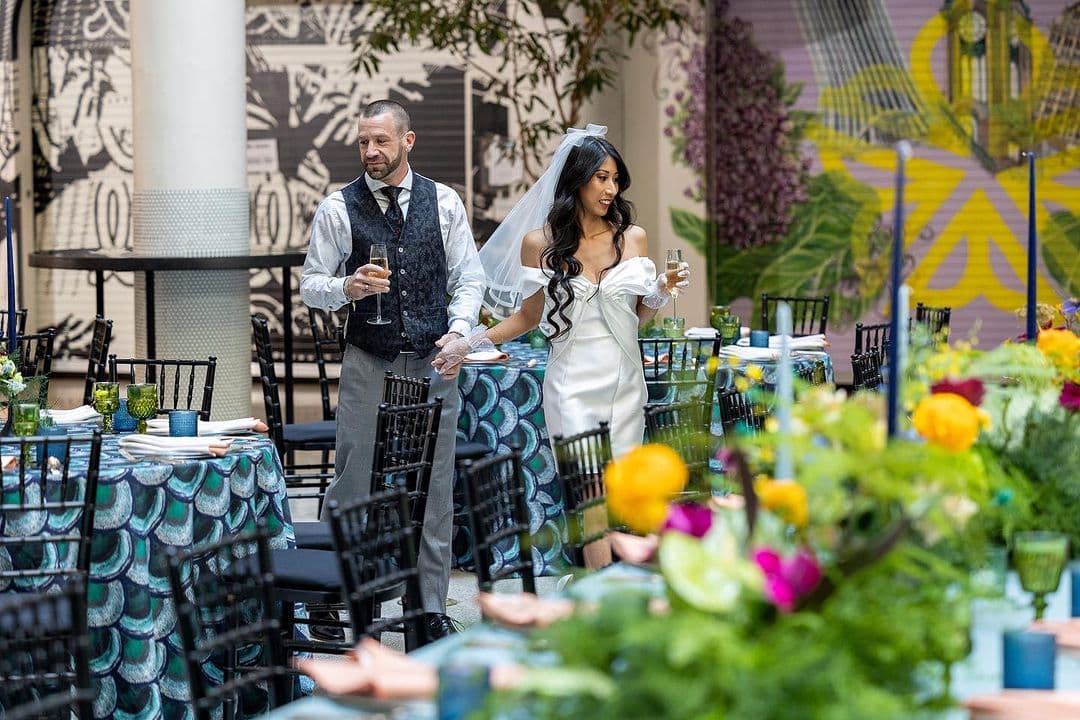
501,254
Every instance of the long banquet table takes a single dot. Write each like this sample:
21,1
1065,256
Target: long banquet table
143,508
979,674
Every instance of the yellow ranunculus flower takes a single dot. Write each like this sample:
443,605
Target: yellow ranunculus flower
755,373
642,482
786,498
949,420
1062,347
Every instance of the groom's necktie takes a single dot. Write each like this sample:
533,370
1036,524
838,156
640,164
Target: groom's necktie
394,215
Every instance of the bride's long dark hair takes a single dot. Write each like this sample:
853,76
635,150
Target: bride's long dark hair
564,221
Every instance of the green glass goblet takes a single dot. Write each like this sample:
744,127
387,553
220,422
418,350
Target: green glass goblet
106,402
729,330
142,403
24,422
1039,558
716,312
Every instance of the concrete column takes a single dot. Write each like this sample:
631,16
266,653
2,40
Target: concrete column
190,198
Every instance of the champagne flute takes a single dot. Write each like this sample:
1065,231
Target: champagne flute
674,264
379,257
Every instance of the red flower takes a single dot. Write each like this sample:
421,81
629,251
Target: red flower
971,390
1070,396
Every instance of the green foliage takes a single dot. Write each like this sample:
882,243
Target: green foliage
1060,242
547,59
835,246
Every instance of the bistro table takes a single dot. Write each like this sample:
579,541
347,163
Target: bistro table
100,261
143,508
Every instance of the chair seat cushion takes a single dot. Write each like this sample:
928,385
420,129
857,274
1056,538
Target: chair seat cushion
313,535
464,450
306,569
321,431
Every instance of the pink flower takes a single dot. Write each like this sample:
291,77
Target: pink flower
787,579
1070,396
692,520
971,390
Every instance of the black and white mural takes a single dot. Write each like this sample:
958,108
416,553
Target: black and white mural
302,100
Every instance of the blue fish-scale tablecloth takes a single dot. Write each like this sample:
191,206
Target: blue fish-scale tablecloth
143,508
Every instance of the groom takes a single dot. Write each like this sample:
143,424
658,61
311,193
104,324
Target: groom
432,296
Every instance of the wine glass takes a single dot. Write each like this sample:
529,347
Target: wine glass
379,257
674,264
142,403
106,402
1039,558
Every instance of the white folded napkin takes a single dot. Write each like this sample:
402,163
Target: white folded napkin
487,356
701,333
81,414
160,426
751,354
807,342
138,444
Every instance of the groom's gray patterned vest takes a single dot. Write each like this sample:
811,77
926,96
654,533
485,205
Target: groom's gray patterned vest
416,305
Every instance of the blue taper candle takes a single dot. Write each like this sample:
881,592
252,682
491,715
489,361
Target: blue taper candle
903,152
12,326
1032,326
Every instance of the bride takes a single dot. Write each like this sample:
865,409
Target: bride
569,259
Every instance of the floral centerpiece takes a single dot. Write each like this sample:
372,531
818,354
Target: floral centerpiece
11,384
822,595
1029,395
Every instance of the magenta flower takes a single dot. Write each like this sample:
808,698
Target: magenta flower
787,579
971,390
692,520
1070,396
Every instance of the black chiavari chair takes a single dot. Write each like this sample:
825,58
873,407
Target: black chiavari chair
20,322
376,547
866,371
739,414
676,369
873,336
684,427
809,315
499,518
181,384
327,335
226,611
98,362
45,655
581,460
936,320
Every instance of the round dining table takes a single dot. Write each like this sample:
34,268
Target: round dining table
144,506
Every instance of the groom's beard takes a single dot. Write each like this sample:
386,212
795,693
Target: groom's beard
384,166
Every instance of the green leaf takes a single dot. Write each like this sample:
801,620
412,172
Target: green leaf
690,228
1060,239
834,247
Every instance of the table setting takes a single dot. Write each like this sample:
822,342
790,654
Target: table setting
181,483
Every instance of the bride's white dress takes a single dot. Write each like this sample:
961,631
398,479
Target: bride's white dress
594,371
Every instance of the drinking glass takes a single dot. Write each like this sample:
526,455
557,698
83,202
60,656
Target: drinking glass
106,402
379,257
24,422
716,315
24,418
729,329
142,402
674,265
674,327
1039,558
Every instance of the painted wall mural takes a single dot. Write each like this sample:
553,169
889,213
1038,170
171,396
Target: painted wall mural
302,103
972,83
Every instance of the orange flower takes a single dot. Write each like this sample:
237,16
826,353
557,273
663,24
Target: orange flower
641,483
785,498
949,420
1062,347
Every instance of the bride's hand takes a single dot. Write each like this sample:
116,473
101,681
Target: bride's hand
676,281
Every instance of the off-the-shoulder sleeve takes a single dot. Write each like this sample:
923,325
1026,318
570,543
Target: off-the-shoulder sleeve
532,280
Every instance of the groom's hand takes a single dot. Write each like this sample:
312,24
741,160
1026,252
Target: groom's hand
453,349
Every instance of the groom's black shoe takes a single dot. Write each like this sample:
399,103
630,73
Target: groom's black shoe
437,625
